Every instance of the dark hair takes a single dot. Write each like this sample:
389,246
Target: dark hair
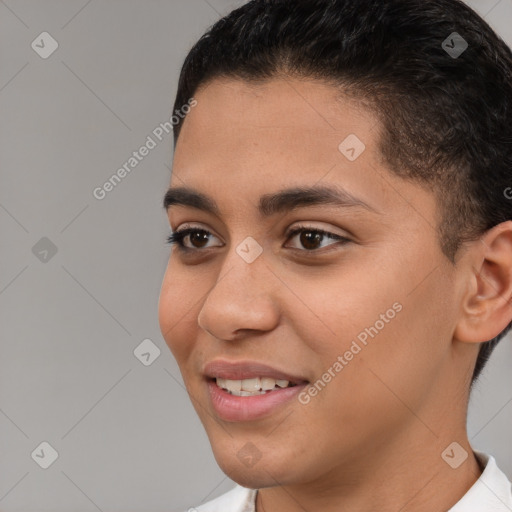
446,119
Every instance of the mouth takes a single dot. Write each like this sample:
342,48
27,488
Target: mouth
247,391
252,387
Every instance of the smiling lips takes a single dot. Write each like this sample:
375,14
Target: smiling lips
247,390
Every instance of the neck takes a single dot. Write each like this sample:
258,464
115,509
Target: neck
404,476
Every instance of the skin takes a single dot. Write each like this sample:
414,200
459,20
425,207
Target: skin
372,438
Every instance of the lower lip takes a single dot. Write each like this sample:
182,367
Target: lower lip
246,408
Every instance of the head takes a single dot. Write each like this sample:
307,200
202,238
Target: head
362,99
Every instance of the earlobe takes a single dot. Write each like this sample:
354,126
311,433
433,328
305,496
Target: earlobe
487,306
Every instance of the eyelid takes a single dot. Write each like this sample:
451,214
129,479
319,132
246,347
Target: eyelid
289,231
325,230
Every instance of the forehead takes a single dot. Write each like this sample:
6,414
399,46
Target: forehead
299,117
258,138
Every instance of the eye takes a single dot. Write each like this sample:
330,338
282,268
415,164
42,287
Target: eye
311,236
195,235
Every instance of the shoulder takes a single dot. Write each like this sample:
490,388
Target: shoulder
239,499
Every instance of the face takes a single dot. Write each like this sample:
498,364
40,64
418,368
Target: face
360,317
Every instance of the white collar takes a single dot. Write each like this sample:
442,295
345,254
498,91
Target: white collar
239,499
490,493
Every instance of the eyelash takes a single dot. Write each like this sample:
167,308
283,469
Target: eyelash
177,237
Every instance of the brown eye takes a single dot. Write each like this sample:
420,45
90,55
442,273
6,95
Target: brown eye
197,237
310,238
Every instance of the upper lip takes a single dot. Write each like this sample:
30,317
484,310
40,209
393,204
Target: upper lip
239,370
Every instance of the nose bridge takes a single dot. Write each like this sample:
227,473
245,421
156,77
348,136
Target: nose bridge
241,296
243,268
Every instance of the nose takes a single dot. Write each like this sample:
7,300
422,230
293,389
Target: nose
241,299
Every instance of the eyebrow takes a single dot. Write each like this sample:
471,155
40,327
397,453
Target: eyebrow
271,204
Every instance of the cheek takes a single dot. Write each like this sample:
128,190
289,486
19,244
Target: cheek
176,312
371,315
353,302
393,362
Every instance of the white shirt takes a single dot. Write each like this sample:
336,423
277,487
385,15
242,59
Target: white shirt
490,493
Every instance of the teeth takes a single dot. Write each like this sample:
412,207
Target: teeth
233,385
221,383
267,383
251,384
250,387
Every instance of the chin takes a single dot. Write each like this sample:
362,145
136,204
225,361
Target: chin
254,465
257,477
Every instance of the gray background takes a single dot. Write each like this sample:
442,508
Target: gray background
127,436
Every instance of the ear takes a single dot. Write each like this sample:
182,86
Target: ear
487,305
